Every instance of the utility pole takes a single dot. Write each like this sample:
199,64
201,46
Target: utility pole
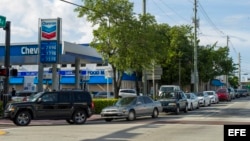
7,57
227,72
144,71
239,71
196,76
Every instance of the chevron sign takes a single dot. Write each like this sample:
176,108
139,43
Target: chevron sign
49,29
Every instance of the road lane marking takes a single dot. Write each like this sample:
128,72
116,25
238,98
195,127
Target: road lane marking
2,132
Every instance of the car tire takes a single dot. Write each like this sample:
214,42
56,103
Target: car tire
70,121
177,110
131,115
209,103
198,106
79,117
155,113
22,118
191,107
108,119
186,109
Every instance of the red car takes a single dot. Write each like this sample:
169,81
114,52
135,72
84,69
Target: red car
223,94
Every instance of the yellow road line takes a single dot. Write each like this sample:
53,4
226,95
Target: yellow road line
2,132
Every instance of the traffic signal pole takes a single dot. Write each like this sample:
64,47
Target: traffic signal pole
7,57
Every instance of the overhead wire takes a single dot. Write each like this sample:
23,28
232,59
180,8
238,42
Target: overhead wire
211,23
163,11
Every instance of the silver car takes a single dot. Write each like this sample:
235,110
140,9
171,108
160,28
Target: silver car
132,107
213,96
204,99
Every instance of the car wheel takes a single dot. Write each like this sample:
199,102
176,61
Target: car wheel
108,119
155,113
79,117
177,110
70,121
198,106
191,107
131,115
186,109
22,118
209,103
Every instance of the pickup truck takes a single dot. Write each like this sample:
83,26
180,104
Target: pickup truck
174,101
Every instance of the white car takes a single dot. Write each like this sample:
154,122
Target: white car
213,96
204,99
127,92
193,101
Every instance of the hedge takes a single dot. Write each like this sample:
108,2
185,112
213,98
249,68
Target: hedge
102,103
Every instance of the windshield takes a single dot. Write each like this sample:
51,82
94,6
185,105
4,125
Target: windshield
200,94
168,95
34,97
125,101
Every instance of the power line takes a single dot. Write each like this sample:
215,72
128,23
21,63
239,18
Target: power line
172,9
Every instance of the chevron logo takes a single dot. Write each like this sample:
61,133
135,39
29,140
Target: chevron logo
49,35
48,30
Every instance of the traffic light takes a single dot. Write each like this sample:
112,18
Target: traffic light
13,72
3,72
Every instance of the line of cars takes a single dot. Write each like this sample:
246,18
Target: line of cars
39,106
130,107
174,101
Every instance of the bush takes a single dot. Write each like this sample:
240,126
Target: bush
102,103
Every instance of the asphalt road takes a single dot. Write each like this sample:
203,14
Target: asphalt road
204,124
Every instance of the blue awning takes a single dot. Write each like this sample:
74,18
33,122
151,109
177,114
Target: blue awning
129,77
216,82
92,80
16,80
45,81
67,80
99,80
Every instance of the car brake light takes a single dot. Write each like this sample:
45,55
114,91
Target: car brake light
92,105
25,99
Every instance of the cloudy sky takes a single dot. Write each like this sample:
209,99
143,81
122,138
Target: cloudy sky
217,20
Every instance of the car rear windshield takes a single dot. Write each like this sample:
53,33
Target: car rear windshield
200,94
169,95
221,91
210,93
166,89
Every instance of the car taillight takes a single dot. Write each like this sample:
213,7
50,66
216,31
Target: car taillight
92,105
25,99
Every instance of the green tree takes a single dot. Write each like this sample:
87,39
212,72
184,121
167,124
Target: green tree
113,19
177,56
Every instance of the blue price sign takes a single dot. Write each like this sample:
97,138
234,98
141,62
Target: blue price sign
48,52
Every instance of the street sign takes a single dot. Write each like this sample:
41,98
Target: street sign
2,21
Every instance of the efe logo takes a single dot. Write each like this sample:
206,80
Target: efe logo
236,132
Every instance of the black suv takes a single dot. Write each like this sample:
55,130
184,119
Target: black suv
75,106
175,101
